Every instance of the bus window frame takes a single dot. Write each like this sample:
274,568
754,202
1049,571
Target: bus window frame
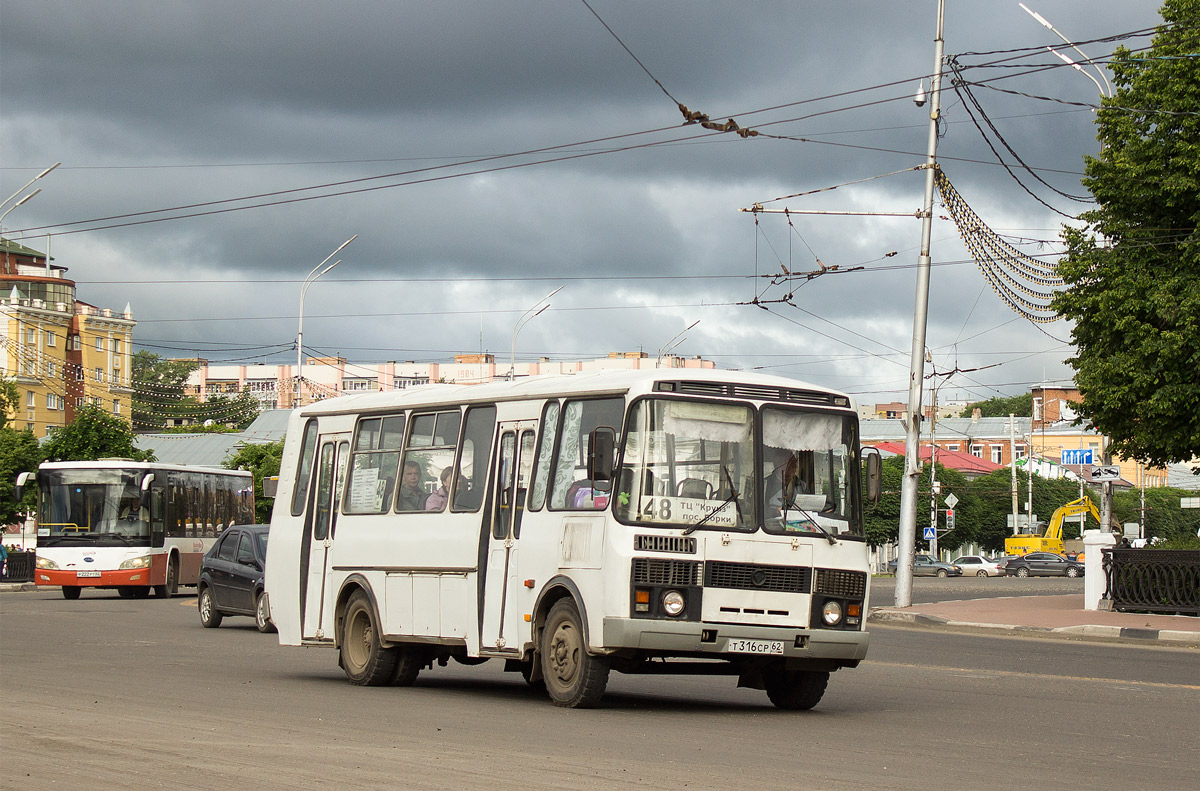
299,502
562,416
545,428
408,447
453,506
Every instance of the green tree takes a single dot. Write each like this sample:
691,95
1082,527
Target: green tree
882,522
19,452
263,462
158,385
1164,517
93,434
994,493
10,399
1134,298
1002,406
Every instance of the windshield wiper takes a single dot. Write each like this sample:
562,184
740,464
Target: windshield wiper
732,498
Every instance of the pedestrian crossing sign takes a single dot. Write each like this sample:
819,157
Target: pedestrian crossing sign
930,534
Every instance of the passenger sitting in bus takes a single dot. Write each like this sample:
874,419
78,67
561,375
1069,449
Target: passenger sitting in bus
411,498
441,495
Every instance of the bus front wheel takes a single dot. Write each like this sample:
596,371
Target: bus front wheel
574,678
172,586
796,690
71,591
366,662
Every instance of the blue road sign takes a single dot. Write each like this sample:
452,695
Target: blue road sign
930,534
1077,456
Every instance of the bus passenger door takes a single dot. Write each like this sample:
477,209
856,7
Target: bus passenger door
321,521
502,612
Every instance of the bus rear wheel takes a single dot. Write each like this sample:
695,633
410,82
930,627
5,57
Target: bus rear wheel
794,690
574,678
71,591
365,661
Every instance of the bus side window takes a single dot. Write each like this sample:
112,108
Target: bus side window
308,451
371,478
571,487
473,457
432,442
541,470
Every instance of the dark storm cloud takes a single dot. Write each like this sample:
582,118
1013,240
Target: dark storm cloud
159,104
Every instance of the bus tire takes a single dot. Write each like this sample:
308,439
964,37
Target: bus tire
210,616
574,678
172,586
366,662
71,591
409,661
794,690
127,592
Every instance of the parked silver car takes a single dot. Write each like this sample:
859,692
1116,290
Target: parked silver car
980,566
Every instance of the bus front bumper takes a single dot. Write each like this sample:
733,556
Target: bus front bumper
70,578
729,641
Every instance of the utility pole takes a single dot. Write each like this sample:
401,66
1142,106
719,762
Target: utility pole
912,460
933,483
1012,465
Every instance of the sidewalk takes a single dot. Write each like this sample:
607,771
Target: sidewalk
1046,616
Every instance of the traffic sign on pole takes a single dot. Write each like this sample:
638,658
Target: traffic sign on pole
930,534
949,519
1112,473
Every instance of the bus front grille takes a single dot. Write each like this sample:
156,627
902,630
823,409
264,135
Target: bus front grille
752,576
659,571
682,545
835,582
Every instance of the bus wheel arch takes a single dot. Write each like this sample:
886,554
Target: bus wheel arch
171,587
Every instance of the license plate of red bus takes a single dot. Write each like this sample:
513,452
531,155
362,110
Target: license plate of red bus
738,645
87,574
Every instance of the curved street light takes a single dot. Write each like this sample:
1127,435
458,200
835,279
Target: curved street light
312,277
524,319
35,178
667,347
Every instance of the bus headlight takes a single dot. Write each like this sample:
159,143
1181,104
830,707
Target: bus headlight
46,563
141,562
831,613
673,603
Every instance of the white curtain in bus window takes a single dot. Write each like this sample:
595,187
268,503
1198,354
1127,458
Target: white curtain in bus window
373,465
805,470
541,474
571,488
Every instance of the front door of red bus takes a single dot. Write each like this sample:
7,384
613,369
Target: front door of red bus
330,473
501,610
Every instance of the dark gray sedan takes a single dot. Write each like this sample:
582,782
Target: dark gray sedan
1043,564
929,566
231,577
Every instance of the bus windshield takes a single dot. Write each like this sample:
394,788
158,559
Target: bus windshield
688,463
100,506
810,468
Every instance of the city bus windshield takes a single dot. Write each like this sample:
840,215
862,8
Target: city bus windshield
688,464
101,506
810,472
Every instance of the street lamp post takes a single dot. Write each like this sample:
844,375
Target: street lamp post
1042,20
18,203
668,345
312,277
524,319
35,178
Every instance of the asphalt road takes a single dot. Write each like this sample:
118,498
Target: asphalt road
108,693
932,589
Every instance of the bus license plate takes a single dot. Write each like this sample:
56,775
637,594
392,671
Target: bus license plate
737,645
87,574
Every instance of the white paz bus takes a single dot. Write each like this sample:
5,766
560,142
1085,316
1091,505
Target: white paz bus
645,522
131,526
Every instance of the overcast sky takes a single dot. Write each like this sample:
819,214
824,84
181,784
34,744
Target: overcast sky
424,113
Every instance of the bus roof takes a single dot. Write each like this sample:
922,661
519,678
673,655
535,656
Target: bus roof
592,383
130,464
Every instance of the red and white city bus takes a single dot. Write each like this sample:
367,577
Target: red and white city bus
132,526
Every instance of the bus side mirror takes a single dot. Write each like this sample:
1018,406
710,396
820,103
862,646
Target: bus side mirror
147,479
19,491
874,476
602,446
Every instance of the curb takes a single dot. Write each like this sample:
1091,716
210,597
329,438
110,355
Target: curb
16,587
883,615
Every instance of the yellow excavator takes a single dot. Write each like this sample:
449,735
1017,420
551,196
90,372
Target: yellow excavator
1051,540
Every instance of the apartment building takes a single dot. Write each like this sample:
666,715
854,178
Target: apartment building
62,353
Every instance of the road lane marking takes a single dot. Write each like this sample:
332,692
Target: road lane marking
1046,676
